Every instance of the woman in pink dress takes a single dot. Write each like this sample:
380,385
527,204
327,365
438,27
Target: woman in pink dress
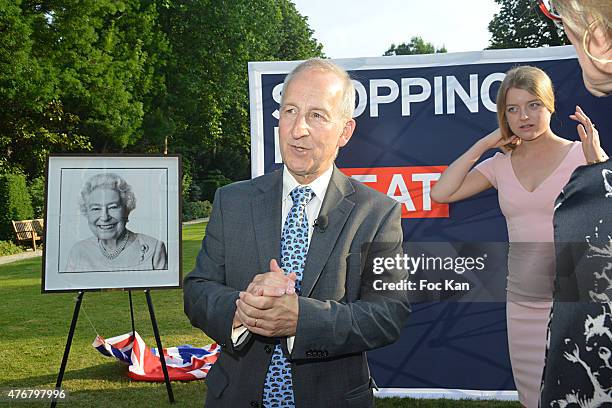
529,175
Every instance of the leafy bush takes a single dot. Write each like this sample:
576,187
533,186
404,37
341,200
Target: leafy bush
9,248
211,183
188,210
37,193
15,203
187,181
196,209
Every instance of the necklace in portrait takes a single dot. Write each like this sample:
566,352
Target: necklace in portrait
110,255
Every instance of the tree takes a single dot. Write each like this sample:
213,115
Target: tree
106,53
521,24
32,117
76,76
416,46
127,75
295,39
207,81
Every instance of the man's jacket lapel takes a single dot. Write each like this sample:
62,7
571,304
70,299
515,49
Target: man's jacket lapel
267,212
337,207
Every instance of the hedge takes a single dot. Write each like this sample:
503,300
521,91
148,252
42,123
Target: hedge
196,209
9,248
37,194
15,203
214,180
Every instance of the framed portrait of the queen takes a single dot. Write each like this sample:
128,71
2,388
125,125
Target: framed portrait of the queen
112,222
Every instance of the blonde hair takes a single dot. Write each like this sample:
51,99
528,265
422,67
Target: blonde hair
531,79
586,15
347,106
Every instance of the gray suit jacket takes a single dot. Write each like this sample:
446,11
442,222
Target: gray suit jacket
340,315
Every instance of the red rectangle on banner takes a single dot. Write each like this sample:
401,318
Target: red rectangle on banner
410,186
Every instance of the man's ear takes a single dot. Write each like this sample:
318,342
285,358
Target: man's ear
347,132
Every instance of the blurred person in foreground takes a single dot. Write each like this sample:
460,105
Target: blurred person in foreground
588,25
279,282
578,369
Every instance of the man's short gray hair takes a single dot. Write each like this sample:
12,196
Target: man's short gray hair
110,181
348,97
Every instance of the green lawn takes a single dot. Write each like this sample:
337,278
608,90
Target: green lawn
34,328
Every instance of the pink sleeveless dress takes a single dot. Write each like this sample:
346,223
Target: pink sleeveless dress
531,263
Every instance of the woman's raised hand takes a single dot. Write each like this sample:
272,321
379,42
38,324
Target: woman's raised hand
494,140
589,137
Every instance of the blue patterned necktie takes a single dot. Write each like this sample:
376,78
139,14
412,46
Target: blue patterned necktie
278,387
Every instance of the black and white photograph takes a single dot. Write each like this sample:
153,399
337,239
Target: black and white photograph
112,222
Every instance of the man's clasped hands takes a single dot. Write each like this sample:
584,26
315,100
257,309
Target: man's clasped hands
269,306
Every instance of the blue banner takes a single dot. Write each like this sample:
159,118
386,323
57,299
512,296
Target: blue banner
415,115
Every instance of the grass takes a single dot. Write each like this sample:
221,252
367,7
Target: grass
34,328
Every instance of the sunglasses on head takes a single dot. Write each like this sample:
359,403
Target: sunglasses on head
549,11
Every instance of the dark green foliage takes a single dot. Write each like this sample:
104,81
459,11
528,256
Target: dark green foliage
211,183
9,248
207,101
79,76
15,203
193,210
112,76
295,36
521,24
416,46
37,194
32,117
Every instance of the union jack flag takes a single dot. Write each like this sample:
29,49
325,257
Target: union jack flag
184,363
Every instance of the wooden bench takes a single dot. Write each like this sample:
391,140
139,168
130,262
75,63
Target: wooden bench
29,230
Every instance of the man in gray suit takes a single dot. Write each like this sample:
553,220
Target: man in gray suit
294,332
